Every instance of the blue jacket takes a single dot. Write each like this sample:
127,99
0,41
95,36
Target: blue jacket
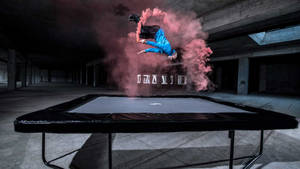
162,45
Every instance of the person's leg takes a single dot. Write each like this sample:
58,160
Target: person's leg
148,32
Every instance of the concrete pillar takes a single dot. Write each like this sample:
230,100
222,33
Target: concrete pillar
77,76
33,75
23,74
243,76
29,73
38,75
219,77
49,75
11,69
81,75
3,72
72,76
86,75
95,75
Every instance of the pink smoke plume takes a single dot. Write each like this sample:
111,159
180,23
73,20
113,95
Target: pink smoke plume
106,22
183,31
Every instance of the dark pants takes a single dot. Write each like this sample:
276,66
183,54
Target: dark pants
148,32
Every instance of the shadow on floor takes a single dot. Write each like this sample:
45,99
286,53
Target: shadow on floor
94,155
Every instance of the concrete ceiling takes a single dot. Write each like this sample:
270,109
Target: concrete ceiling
35,24
201,7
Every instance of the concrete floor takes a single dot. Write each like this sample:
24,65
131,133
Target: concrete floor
288,105
143,150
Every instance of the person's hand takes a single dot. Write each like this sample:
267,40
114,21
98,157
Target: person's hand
170,57
142,41
174,56
140,52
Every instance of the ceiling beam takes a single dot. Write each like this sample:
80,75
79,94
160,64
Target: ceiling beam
283,50
249,16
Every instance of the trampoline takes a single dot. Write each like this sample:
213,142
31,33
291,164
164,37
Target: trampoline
120,114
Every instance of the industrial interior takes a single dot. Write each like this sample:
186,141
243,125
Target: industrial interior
51,52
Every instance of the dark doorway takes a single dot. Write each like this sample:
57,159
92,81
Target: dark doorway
225,75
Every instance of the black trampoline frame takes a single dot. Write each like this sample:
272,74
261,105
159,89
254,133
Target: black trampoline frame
31,125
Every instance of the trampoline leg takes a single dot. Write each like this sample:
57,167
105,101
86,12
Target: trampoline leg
231,136
44,152
43,148
109,151
250,163
261,146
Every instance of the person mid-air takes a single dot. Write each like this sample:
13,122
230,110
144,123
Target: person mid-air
161,44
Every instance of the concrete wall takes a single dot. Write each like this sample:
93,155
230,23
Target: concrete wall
55,76
60,76
29,73
273,75
44,75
